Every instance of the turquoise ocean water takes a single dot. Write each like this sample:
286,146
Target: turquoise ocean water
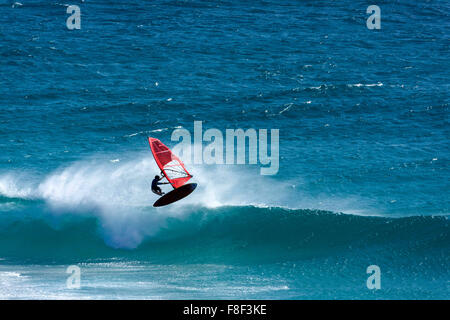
363,147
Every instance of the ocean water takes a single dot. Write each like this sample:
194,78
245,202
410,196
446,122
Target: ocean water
364,149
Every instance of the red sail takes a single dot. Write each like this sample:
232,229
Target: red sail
172,167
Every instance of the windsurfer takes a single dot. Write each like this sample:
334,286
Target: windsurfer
155,184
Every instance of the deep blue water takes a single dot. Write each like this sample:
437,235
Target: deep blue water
364,149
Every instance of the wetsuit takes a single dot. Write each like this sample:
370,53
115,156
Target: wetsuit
155,187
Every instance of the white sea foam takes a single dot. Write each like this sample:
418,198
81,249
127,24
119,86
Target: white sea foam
112,184
15,186
378,84
159,130
133,134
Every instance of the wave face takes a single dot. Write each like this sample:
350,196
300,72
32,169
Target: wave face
100,209
248,252
230,234
96,213
116,196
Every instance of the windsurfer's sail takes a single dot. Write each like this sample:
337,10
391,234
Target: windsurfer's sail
172,167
